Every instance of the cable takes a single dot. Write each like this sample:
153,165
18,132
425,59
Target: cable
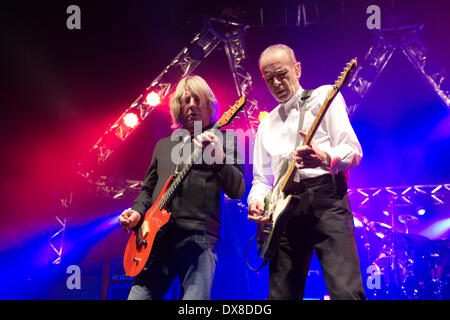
246,260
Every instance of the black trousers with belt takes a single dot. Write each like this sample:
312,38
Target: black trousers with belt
323,222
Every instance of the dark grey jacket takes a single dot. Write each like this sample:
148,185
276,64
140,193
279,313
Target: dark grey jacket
197,205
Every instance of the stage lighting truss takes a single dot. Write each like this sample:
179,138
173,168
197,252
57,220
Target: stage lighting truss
438,194
182,65
236,54
103,187
56,240
407,39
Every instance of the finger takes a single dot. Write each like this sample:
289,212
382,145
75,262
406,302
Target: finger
126,228
265,219
212,137
259,219
197,143
206,135
257,210
254,218
127,213
304,150
260,207
122,219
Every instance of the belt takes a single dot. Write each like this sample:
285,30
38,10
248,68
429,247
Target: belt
316,181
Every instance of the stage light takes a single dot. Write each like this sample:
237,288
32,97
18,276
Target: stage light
131,120
437,229
421,211
262,115
153,99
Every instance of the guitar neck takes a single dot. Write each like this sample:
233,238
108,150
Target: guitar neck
182,174
290,173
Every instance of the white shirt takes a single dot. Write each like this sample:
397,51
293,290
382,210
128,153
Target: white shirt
277,133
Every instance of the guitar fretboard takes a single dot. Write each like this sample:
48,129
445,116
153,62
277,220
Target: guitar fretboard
288,178
196,154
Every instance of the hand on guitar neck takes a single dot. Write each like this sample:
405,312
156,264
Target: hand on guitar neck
208,140
310,156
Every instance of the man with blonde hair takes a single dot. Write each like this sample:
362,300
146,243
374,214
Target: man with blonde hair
186,247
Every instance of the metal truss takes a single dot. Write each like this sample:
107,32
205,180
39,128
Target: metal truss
236,54
386,41
182,65
56,240
103,187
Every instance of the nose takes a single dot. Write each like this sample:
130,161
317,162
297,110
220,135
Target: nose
276,82
191,103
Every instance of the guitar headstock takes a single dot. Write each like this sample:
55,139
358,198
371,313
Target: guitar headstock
231,113
345,75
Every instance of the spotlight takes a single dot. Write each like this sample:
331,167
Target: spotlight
421,211
153,99
131,120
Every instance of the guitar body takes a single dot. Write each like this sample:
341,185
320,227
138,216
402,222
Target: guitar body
141,241
280,208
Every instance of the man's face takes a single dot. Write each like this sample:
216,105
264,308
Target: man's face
281,74
193,108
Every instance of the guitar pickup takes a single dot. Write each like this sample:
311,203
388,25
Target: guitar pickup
142,234
267,229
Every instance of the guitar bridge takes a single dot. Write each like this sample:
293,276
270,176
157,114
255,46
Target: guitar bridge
140,242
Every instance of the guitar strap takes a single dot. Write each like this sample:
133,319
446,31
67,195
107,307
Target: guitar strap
306,94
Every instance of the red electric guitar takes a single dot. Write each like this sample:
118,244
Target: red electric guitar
141,241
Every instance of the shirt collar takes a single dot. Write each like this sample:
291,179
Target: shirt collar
293,102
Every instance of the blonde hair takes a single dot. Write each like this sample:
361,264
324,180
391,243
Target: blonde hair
197,86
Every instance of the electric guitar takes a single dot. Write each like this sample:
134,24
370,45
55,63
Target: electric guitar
280,203
141,240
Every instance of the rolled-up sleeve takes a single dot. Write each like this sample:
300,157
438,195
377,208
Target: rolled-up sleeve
345,150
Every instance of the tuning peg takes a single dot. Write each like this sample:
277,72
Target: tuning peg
236,117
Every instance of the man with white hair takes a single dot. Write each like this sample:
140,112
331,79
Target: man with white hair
323,220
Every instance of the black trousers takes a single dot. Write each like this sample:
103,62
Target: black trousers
323,222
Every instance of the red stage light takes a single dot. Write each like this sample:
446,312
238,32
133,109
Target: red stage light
131,120
153,99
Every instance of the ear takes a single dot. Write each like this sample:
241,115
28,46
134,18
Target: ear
298,69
